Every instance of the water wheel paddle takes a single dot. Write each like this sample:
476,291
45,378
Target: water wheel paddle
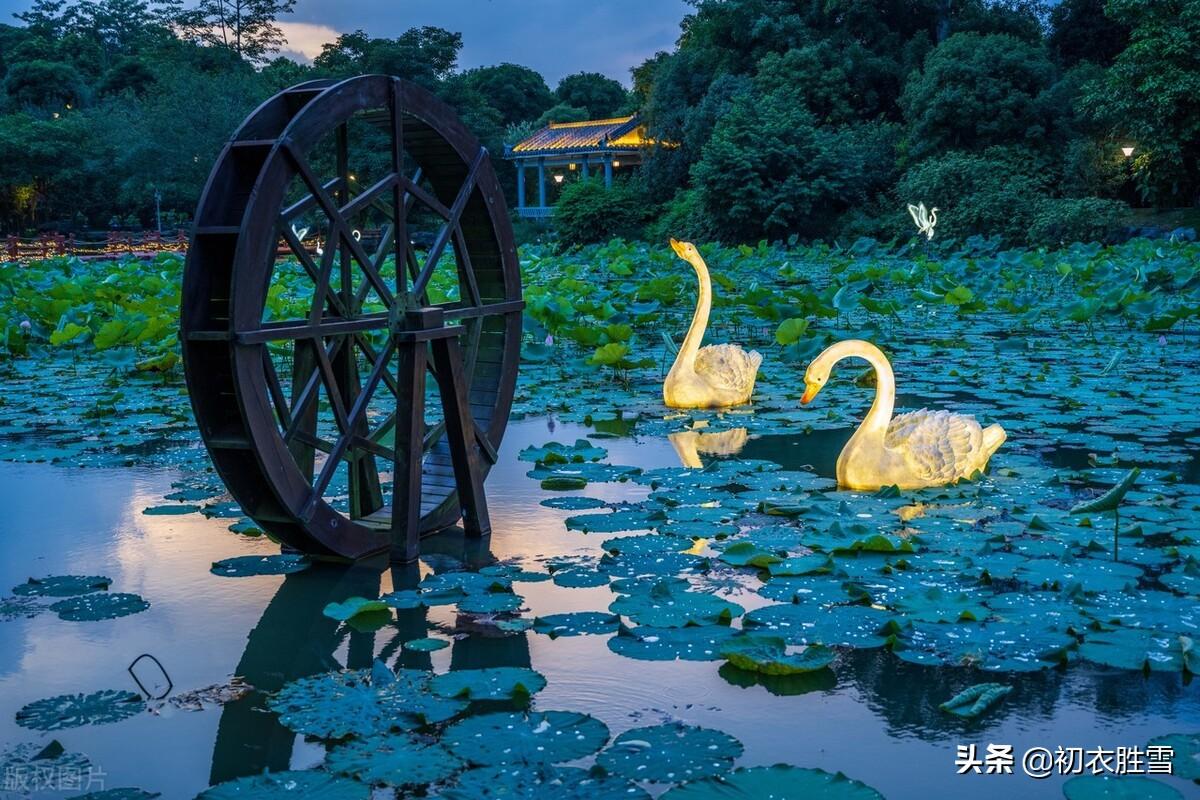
352,387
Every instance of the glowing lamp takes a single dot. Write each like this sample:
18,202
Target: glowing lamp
558,177
1127,150
616,163
571,167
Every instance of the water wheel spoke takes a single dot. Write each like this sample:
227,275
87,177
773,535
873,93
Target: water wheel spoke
432,435
327,327
368,350
339,227
347,422
302,401
452,222
417,192
278,399
308,202
366,197
466,271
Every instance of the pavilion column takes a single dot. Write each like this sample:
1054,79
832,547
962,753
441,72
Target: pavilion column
542,182
608,173
521,184
585,167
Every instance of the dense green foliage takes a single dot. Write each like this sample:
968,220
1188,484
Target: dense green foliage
789,118
824,120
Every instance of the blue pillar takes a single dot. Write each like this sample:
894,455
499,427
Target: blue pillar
608,173
521,184
542,182
585,168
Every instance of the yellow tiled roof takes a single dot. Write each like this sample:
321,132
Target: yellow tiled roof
558,136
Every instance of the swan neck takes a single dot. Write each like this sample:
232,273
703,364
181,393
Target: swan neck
876,422
695,334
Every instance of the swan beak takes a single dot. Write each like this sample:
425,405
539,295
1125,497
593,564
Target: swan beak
677,246
810,391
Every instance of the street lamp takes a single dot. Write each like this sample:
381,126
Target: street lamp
1127,150
558,177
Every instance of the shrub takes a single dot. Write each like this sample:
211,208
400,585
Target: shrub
587,212
682,218
1076,219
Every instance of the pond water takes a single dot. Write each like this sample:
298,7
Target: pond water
872,716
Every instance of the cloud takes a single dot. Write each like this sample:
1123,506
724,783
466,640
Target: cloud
304,39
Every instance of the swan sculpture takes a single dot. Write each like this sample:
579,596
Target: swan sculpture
707,377
914,450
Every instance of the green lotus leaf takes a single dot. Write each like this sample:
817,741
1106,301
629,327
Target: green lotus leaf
1186,749
98,606
576,623
244,566
334,705
538,781
352,607
492,683
670,753
539,737
490,603
780,782
1110,500
62,586
1122,787
74,710
665,607
768,655
696,643
976,700
425,645
122,793
282,785
395,760
573,503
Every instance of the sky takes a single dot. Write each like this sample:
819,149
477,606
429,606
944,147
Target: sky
555,37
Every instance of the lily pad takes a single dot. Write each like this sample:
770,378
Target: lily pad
243,566
539,781
768,655
62,586
780,782
539,737
576,623
695,643
490,603
394,760
335,705
670,753
296,783
425,645
573,503
98,606
75,710
664,607
122,793
1186,747
975,700
352,607
1123,787
17,607
492,683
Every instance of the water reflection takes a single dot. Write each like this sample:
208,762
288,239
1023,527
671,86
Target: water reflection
294,639
689,445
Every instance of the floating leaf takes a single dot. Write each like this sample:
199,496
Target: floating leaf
768,654
394,760
298,783
1122,787
243,566
670,753
576,623
1186,748
780,782
975,700
540,737
98,606
492,683
352,607
1110,500
62,586
75,710
538,781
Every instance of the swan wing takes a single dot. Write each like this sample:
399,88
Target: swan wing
937,445
727,366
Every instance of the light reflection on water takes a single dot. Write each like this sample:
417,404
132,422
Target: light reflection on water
876,719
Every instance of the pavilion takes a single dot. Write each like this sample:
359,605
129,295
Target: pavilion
575,147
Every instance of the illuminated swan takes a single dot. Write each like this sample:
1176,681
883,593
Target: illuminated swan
707,377
925,220
911,451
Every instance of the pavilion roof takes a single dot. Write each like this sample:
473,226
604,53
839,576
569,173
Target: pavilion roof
594,134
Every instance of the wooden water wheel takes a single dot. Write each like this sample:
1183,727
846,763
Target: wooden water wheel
351,318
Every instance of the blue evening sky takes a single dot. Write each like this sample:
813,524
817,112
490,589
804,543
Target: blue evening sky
555,37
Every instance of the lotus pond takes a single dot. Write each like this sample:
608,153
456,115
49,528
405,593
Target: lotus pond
678,603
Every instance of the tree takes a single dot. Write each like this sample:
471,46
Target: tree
600,96
976,91
127,74
517,92
1148,97
561,113
247,27
43,84
424,55
1080,30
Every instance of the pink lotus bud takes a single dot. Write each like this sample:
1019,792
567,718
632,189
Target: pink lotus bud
1162,340
25,326
549,340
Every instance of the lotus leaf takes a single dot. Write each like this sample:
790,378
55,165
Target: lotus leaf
493,683
539,737
394,760
670,753
74,710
